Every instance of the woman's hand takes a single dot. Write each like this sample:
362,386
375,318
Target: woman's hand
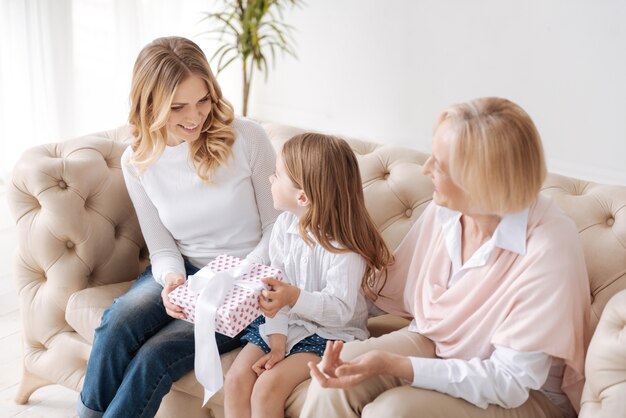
172,281
332,372
330,361
280,295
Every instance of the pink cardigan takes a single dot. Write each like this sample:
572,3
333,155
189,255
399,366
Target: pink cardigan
539,301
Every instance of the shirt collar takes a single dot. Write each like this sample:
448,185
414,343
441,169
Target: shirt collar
510,234
293,227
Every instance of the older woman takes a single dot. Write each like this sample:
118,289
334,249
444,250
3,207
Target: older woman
494,277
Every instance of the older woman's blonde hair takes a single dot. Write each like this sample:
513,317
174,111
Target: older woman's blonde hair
496,157
159,69
326,169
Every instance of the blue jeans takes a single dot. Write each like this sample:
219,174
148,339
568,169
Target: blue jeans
138,352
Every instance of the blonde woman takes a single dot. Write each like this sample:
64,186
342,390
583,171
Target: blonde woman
331,255
494,277
197,177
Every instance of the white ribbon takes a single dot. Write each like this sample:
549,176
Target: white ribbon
211,288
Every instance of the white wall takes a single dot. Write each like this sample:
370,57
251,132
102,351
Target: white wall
65,65
375,69
383,70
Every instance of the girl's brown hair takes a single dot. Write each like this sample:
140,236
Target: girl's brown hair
160,67
326,169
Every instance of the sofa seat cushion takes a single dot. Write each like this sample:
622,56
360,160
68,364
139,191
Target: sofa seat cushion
189,384
85,307
293,406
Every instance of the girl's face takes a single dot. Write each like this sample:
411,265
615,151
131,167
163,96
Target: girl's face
285,195
190,107
446,193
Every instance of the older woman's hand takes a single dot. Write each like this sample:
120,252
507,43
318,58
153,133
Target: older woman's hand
329,364
332,372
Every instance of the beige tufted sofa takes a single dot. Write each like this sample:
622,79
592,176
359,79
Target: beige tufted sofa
80,246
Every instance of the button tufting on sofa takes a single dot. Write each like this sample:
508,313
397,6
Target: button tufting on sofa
63,293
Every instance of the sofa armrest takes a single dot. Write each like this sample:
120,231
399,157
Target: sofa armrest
604,395
76,228
85,308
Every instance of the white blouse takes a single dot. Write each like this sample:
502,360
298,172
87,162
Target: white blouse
181,216
331,303
506,377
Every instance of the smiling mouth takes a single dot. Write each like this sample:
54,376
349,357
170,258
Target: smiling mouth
190,128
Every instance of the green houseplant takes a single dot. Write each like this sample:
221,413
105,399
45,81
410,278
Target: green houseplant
248,30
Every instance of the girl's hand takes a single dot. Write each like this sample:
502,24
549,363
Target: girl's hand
281,294
277,353
332,372
172,281
268,361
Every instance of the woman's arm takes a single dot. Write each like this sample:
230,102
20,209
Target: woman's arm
164,254
332,372
504,379
262,160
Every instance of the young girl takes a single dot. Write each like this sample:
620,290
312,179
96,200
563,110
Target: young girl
331,254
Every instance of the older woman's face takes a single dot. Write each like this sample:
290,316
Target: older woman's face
446,193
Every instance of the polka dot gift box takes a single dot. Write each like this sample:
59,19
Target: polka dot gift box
240,305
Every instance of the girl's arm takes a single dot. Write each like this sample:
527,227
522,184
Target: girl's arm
164,254
278,343
276,322
333,305
262,160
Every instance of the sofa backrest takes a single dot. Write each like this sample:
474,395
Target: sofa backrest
599,211
75,219
76,227
396,193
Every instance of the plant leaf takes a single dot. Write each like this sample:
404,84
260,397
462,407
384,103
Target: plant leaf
248,30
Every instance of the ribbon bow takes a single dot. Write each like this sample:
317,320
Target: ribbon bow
211,288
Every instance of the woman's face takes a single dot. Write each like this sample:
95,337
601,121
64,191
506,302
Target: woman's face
446,193
190,107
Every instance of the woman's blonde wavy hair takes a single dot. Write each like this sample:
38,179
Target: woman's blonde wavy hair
497,156
326,169
160,67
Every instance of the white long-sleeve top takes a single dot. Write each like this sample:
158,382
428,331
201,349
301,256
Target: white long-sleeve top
182,216
331,303
506,377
